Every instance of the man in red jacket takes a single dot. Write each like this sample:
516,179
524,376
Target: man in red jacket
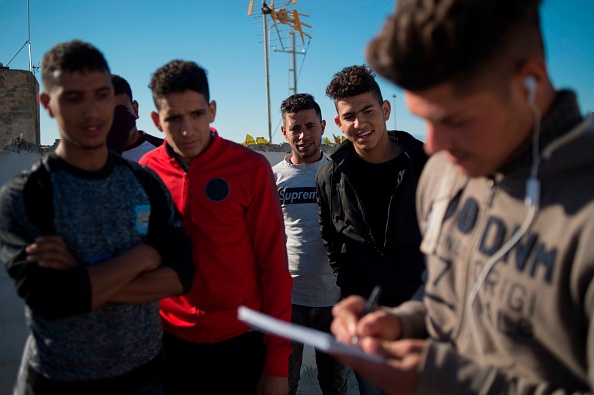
227,196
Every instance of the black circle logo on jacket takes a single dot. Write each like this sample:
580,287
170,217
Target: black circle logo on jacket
217,189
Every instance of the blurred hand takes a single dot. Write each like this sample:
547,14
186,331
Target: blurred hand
399,373
124,100
50,252
348,322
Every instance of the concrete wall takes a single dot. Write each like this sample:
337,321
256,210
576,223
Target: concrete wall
19,105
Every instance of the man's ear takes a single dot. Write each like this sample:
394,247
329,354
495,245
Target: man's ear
323,125
212,106
135,107
156,120
284,132
337,121
44,99
386,109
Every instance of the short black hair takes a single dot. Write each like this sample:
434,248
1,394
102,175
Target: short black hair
179,76
71,56
429,42
353,81
121,86
299,102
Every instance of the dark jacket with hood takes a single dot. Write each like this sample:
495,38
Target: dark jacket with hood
358,260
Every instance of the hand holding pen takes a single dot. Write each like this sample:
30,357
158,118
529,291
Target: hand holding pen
371,305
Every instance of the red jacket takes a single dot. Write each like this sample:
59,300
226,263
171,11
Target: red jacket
231,210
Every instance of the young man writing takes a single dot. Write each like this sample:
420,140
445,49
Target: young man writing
506,206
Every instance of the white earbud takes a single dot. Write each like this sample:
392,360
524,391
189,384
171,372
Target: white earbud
530,83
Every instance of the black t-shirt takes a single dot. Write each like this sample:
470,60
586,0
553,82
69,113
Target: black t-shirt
375,183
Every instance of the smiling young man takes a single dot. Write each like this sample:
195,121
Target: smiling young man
314,285
92,242
230,206
506,205
366,194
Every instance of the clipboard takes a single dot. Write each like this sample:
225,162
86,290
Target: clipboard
319,340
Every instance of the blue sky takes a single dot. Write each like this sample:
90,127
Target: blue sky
138,36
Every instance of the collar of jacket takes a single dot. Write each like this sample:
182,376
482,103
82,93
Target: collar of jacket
562,117
408,145
186,166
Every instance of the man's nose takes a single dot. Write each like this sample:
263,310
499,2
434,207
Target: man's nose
91,108
187,126
437,139
358,122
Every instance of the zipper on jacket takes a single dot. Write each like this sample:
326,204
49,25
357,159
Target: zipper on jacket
185,188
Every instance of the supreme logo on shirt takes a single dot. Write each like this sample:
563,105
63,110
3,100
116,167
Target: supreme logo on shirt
297,195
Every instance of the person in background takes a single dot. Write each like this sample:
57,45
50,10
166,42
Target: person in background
93,242
231,210
366,194
314,285
506,205
136,142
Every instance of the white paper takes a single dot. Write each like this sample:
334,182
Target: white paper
302,334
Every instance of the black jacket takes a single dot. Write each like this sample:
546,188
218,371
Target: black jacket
356,258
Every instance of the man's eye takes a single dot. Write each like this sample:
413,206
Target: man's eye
455,123
172,119
72,98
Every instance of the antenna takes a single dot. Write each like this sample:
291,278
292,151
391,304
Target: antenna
26,42
29,38
292,60
280,16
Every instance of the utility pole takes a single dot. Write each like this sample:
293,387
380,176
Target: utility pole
29,38
293,60
282,16
265,11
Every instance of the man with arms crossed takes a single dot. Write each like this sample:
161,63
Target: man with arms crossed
314,285
92,242
506,204
230,206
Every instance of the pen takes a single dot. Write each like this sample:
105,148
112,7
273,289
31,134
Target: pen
369,307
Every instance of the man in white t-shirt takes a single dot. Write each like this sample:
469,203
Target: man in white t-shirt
314,285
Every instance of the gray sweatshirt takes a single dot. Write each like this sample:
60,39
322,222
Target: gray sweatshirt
528,326
314,284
